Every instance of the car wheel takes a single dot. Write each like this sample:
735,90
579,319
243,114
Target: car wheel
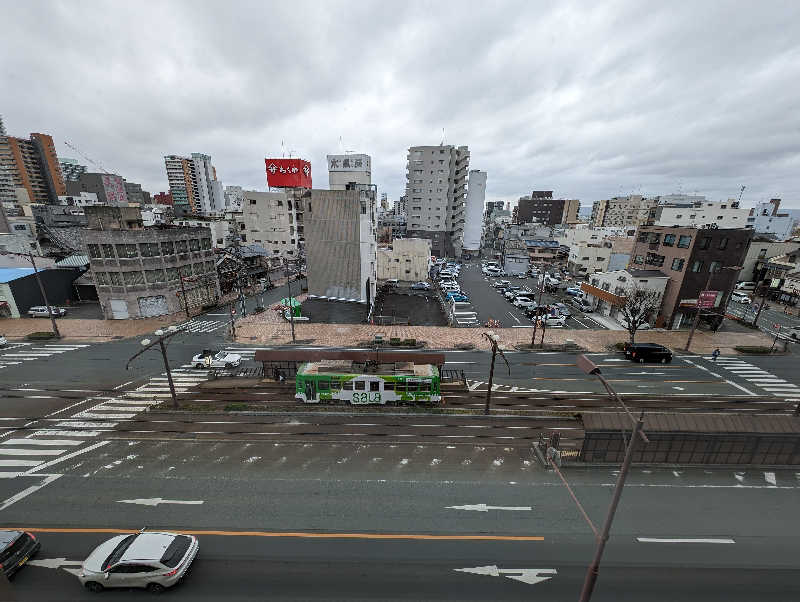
94,586
155,588
198,365
669,359
228,365
641,360
664,360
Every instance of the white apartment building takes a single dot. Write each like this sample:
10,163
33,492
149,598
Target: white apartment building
273,220
724,214
476,204
349,169
607,291
79,200
194,185
436,188
766,220
622,211
407,260
159,215
233,198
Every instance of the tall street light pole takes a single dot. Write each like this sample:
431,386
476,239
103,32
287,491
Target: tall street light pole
291,305
148,344
494,341
56,333
589,367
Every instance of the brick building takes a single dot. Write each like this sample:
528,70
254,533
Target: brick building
542,208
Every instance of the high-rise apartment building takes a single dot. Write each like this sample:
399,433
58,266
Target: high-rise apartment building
622,211
349,169
273,220
542,208
194,185
71,169
476,200
436,189
31,164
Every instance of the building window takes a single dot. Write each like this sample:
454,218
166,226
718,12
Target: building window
244,237
108,251
182,247
252,201
677,264
194,244
115,278
148,249
643,236
705,242
723,244
167,248
653,259
209,266
126,251
172,273
714,267
101,278
697,266
94,252
669,240
654,237
639,259
679,216
154,276
19,227
133,278
684,242
205,244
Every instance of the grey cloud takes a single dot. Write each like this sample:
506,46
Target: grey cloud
591,100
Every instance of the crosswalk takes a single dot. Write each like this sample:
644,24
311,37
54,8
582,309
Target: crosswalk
196,325
25,454
17,353
759,377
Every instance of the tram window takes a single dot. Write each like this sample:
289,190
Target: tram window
411,387
387,386
360,385
424,387
348,386
374,385
336,385
323,385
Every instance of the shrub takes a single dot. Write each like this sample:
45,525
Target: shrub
619,346
40,336
410,342
395,341
754,349
235,407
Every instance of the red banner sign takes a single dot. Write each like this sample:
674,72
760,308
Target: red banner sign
707,299
288,173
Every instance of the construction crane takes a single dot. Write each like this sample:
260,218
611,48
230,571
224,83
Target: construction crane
741,192
95,163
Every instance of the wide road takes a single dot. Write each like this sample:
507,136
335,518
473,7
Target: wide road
409,522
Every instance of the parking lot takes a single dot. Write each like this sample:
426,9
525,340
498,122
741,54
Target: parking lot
490,304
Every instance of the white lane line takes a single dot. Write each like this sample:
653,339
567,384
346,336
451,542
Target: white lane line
26,492
86,425
769,477
63,433
20,462
9,451
730,382
683,540
66,457
59,442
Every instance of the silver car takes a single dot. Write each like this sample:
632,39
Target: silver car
151,560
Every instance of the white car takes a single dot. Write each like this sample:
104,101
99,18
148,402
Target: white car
40,311
741,298
150,560
524,302
3,341
222,359
555,321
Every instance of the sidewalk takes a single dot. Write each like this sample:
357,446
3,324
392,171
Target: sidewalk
252,330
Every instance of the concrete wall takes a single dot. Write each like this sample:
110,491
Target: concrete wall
406,260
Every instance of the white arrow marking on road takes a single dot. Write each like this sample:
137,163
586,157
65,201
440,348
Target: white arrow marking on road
637,373
615,360
53,563
485,508
679,388
530,576
155,501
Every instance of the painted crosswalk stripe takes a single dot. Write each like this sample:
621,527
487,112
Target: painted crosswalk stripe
54,442
63,433
16,451
19,463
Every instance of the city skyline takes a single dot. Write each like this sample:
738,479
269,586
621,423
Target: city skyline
591,103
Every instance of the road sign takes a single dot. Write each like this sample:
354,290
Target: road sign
529,576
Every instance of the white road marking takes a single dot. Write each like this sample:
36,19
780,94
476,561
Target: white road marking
15,451
769,477
730,382
683,540
54,442
529,576
155,501
26,492
485,508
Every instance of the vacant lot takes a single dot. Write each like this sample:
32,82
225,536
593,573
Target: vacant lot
408,308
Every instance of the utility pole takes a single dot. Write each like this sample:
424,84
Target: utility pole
291,306
696,320
763,287
148,344
56,333
183,292
494,341
233,321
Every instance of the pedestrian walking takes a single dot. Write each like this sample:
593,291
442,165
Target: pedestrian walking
715,354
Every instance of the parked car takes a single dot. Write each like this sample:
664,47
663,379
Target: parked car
512,291
563,309
421,286
16,548
554,321
40,311
3,341
647,352
500,283
573,291
524,302
746,286
151,560
741,298
460,297
221,359
582,304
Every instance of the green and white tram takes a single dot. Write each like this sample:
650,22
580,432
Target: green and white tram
344,381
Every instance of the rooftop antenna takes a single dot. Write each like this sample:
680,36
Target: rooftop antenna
283,150
443,138
741,192
341,145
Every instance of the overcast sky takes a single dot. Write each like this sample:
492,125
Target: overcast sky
588,99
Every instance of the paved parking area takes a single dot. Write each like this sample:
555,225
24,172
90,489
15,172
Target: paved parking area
414,308
489,304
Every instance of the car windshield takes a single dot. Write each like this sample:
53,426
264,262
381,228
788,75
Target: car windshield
118,552
176,550
220,356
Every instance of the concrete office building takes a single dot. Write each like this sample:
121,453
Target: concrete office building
349,169
234,196
436,189
71,169
341,249
765,219
138,271
273,220
406,260
476,201
30,164
135,194
619,212
541,207
696,214
109,188
194,185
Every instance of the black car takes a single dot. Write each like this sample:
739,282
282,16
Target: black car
16,547
648,352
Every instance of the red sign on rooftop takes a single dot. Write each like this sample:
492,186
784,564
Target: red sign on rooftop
288,173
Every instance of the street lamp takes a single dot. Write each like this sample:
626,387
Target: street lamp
589,367
494,341
147,344
705,288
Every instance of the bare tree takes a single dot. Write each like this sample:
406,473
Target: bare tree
640,304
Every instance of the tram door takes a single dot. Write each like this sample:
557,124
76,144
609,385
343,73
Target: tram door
310,391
